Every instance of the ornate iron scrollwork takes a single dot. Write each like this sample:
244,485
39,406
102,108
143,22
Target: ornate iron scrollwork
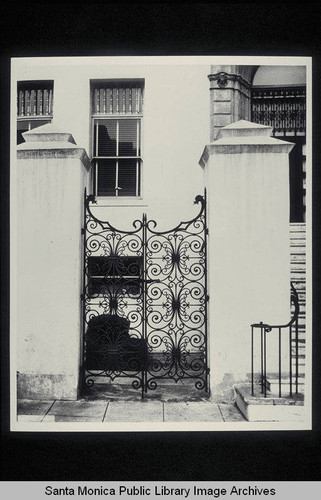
155,283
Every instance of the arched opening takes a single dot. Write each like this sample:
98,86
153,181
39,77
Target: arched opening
283,76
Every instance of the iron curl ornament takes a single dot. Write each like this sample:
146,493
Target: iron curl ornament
147,291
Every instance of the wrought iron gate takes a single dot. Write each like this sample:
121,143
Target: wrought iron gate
145,301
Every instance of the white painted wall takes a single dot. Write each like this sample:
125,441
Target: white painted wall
49,270
175,126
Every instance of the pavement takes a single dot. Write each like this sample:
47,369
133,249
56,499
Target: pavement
126,411
120,402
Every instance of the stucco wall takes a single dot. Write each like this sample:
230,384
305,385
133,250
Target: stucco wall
247,176
49,273
175,126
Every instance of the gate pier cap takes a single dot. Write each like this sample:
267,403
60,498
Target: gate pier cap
48,141
244,137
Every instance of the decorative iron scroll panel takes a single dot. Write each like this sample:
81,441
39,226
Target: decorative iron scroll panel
145,301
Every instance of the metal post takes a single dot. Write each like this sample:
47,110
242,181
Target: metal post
264,362
290,356
296,356
252,362
280,362
262,359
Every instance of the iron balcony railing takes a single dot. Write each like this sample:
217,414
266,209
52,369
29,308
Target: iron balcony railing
283,108
262,329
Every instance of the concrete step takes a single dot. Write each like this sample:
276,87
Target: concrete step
301,352
301,349
301,343
297,226
301,332
298,246
272,385
257,408
297,234
297,259
299,285
301,360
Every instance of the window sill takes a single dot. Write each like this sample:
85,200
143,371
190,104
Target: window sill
121,201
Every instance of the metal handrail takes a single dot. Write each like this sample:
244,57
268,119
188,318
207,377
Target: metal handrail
266,328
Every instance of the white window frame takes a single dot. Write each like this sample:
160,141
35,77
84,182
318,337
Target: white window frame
29,119
104,116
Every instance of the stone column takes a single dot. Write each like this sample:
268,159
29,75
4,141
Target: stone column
51,176
247,181
230,93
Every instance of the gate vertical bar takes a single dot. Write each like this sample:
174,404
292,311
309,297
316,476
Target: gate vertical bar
206,293
83,297
144,290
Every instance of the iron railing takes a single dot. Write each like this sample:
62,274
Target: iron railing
263,329
283,108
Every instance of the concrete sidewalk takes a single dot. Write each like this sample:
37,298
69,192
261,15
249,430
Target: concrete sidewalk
126,411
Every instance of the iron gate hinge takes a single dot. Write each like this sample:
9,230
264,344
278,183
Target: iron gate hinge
82,230
82,296
206,230
207,298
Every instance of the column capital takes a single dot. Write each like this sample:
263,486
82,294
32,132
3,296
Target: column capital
223,80
222,74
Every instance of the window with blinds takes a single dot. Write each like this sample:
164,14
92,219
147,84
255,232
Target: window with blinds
34,105
117,114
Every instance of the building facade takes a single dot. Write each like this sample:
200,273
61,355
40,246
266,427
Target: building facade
112,156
